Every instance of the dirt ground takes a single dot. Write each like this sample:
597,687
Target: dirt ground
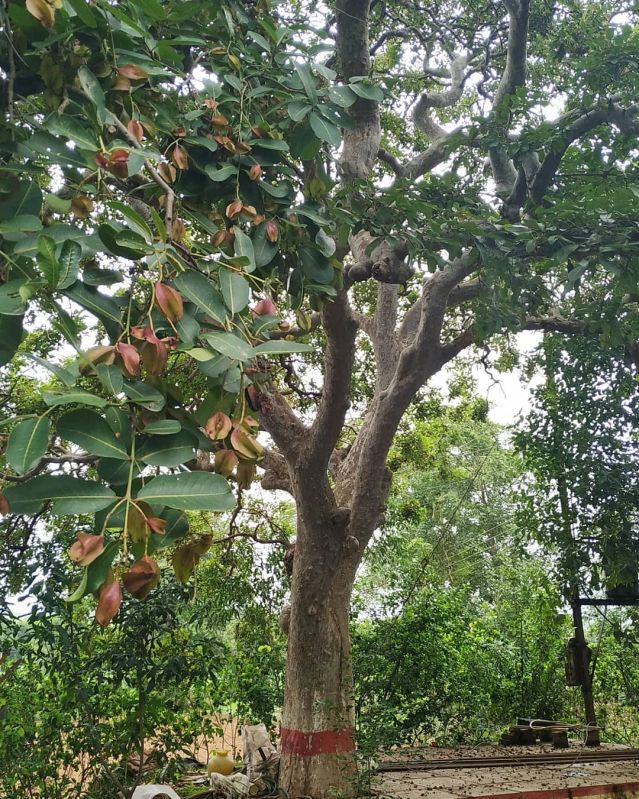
469,782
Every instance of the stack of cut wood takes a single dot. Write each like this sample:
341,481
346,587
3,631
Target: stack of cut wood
529,731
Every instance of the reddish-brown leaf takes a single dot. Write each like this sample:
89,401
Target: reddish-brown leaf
42,11
224,461
218,426
233,209
133,72
265,307
167,172
186,558
246,445
180,157
154,356
142,577
156,524
255,172
81,206
130,357
272,231
135,129
109,601
169,301
122,84
86,549
245,474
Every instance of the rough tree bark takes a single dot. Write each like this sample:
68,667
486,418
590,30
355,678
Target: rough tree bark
340,493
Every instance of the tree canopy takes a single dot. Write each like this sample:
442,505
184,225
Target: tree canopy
226,219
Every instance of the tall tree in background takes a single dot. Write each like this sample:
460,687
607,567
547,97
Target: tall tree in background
473,163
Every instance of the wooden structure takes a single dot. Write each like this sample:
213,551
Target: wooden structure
529,731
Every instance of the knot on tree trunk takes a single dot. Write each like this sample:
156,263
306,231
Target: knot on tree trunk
373,258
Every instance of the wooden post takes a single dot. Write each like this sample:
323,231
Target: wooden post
592,738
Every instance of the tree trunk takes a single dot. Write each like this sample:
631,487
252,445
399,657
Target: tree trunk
318,720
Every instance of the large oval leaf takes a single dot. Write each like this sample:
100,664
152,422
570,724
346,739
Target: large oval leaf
189,491
91,431
69,495
199,290
27,444
169,450
281,347
235,290
229,344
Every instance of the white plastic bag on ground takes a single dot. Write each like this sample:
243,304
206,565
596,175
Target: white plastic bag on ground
234,787
260,756
154,792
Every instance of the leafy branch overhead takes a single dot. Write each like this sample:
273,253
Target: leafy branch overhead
192,195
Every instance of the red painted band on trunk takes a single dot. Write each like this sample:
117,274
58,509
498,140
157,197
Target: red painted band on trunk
318,742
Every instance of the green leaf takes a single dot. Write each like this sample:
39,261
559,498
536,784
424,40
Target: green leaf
26,199
116,243
116,472
315,266
137,223
11,300
298,110
163,427
144,395
93,90
69,128
101,306
312,214
25,223
84,12
271,144
110,377
281,347
367,90
177,527
91,431
171,450
69,495
325,243
75,397
189,491
308,82
27,444
243,248
235,290
343,96
221,174
263,250
10,337
48,260
69,263
67,376
325,130
199,290
229,344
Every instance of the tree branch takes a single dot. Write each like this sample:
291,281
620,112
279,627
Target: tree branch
155,175
341,329
623,118
283,424
361,143
276,474
513,77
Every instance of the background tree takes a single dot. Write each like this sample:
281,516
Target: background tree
204,151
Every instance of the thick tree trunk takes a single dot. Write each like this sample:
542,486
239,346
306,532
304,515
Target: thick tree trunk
318,719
